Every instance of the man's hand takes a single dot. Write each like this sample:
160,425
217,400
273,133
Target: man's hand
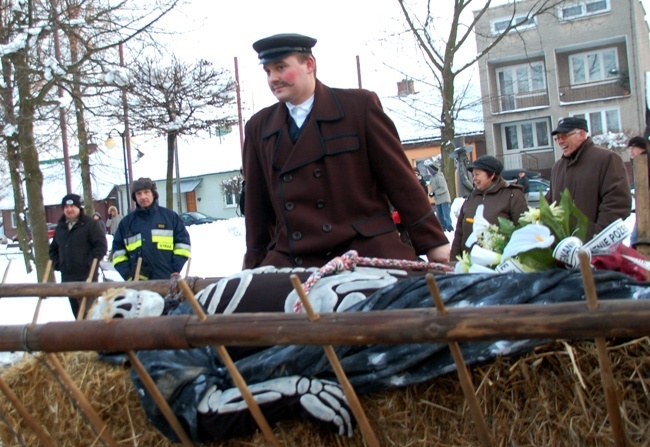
439,254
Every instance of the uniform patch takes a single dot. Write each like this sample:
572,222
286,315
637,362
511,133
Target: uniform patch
161,226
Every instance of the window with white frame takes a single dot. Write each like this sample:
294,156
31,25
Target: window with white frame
526,135
602,121
594,66
231,199
517,82
577,10
521,22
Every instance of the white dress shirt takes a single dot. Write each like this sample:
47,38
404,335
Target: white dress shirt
299,112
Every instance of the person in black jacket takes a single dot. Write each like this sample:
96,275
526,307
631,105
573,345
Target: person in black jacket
78,239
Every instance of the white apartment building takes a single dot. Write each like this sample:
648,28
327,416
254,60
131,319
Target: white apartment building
588,58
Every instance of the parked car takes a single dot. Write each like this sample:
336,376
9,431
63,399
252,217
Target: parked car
537,186
50,230
511,174
196,218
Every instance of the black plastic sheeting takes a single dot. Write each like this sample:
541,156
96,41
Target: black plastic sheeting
185,376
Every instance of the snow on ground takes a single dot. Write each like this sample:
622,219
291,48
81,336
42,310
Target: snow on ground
217,250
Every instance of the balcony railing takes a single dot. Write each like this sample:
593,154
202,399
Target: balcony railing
519,101
592,91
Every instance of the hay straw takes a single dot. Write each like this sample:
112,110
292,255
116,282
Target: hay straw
537,399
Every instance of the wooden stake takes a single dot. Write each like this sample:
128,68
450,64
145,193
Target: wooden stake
368,434
253,406
463,374
82,401
642,204
46,275
611,393
76,393
42,435
84,300
151,387
4,277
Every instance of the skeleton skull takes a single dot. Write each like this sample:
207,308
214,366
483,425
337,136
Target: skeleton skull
127,303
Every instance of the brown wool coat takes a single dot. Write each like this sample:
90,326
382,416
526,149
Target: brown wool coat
597,181
330,192
500,200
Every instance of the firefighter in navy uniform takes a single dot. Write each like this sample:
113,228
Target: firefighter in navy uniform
152,232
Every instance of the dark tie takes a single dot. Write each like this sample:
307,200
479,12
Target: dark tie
294,130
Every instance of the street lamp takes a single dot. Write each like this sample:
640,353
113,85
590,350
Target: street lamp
110,144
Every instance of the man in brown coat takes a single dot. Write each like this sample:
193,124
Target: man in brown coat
595,177
323,167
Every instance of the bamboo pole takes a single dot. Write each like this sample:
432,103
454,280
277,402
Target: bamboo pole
85,406
253,406
84,300
46,275
360,415
151,387
463,374
41,434
613,318
642,204
100,427
79,289
4,277
609,384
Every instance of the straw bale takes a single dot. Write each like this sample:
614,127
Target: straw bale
552,396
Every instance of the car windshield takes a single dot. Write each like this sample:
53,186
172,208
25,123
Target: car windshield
197,215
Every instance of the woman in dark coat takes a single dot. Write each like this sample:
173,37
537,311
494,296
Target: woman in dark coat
500,198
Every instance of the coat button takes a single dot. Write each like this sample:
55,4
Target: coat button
289,206
327,228
296,236
297,260
287,178
320,203
318,173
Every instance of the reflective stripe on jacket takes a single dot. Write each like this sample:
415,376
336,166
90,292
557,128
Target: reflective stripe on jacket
157,235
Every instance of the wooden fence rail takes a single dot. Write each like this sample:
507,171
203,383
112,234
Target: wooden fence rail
612,318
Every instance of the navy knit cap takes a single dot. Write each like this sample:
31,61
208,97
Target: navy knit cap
487,163
639,142
71,199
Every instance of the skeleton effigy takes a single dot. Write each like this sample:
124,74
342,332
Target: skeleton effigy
297,381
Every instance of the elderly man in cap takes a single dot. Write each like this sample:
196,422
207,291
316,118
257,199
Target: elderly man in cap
77,240
153,233
595,177
323,166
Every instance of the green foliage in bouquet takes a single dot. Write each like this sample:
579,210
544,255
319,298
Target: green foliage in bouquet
565,220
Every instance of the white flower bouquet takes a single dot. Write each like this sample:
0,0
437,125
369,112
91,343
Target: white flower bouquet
545,237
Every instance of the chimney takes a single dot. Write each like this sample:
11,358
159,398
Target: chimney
405,87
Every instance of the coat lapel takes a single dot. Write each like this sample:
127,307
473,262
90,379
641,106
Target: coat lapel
310,146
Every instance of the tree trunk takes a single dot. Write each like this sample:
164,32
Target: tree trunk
169,189
82,133
448,130
29,156
13,160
